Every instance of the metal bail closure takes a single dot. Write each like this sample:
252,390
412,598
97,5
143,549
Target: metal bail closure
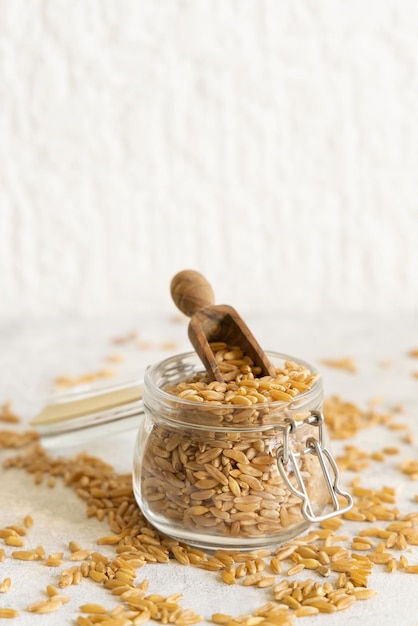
313,446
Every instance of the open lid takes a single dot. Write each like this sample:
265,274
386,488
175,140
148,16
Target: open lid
87,411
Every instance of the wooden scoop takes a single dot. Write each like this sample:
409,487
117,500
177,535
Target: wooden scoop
194,296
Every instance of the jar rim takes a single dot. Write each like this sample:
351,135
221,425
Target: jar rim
162,395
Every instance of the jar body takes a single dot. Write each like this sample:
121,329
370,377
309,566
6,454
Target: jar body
207,474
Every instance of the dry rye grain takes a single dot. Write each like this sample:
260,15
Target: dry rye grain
15,439
65,382
344,419
5,585
227,483
410,467
346,363
7,613
136,540
109,497
321,541
7,415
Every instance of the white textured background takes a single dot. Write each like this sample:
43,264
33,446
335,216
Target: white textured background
272,145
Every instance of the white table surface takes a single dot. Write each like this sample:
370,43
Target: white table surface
33,353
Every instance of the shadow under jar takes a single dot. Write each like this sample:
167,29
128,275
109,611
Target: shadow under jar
230,476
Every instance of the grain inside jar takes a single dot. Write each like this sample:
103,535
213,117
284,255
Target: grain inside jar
211,468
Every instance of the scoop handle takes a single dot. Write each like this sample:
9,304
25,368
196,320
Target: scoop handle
191,292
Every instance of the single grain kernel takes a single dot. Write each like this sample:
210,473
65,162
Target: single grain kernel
5,585
7,613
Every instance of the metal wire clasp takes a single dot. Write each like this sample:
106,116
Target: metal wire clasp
326,460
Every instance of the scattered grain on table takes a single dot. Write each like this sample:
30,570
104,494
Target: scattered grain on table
7,415
339,564
65,382
346,363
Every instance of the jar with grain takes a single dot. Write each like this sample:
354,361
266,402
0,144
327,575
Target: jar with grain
239,464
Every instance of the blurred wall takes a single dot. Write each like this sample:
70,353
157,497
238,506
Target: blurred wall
270,144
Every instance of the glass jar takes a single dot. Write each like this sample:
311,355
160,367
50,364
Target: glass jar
231,476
